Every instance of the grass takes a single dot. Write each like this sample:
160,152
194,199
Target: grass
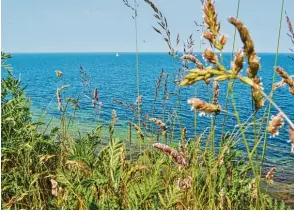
141,169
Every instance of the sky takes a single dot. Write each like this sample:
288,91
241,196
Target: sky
107,25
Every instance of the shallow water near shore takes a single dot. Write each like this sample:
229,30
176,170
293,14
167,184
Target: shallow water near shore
115,77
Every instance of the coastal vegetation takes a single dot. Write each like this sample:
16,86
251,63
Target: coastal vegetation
155,167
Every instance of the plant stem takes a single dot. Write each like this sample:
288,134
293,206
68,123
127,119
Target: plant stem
137,64
273,80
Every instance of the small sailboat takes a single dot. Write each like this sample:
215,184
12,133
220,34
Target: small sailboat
117,54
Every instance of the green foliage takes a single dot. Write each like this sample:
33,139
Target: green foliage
27,158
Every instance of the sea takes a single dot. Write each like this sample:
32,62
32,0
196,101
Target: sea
115,78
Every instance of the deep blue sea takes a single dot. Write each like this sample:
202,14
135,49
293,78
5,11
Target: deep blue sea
115,77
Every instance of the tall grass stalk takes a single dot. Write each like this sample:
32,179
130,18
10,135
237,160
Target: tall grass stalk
134,7
231,83
273,80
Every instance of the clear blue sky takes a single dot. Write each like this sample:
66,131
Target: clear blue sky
107,25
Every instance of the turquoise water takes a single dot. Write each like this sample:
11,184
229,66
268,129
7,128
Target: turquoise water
115,77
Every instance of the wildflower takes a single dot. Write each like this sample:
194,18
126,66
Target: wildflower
59,73
210,56
174,154
201,105
269,176
275,124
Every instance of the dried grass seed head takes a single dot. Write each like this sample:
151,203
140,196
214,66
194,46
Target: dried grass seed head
286,78
257,93
253,59
174,154
59,73
210,56
237,64
198,104
275,124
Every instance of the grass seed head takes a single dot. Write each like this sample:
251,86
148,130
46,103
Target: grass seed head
270,175
257,93
210,56
114,117
237,64
95,94
215,92
139,100
201,105
174,154
208,35
286,78
223,39
275,124
161,124
138,129
59,73
253,59
210,17
194,60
